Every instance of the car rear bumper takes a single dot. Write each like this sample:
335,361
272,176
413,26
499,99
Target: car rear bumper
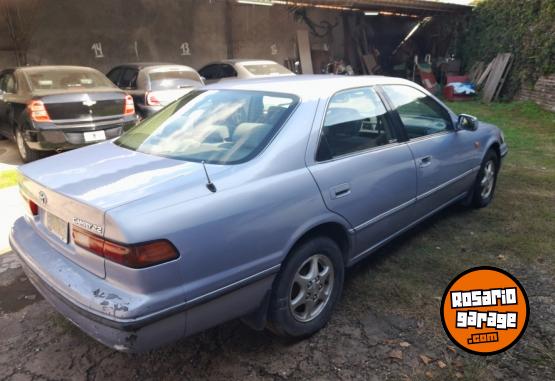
81,297
52,137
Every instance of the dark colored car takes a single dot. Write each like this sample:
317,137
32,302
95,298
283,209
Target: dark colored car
154,85
57,108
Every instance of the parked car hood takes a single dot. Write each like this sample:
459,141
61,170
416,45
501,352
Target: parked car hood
106,176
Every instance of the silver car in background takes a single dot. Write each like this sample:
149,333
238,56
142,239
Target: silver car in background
241,69
154,85
244,199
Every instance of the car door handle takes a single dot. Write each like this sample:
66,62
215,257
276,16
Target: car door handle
425,161
340,190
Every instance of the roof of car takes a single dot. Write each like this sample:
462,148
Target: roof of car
54,67
308,85
142,65
234,61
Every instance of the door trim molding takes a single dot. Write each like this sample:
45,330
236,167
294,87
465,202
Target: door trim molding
447,183
413,200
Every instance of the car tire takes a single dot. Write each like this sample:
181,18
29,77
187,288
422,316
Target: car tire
484,186
307,288
26,153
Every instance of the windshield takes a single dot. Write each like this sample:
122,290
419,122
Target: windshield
175,79
215,126
266,69
64,79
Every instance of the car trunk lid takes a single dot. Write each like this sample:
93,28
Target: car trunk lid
83,184
79,105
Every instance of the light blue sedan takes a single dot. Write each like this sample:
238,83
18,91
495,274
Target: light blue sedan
244,199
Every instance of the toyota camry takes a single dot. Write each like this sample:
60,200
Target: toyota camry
244,199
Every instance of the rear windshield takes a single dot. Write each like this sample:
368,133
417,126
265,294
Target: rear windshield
65,79
177,79
266,69
215,126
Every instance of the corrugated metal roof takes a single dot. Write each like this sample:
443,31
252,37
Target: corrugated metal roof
415,7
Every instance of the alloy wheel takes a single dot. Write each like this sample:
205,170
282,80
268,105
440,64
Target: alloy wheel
311,288
20,144
488,179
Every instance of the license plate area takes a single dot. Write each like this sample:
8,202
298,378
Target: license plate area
56,226
94,136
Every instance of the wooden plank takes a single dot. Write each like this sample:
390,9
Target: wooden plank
497,71
476,71
304,52
485,73
504,76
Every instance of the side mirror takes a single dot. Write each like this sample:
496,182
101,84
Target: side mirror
467,122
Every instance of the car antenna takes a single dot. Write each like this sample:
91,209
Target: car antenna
210,185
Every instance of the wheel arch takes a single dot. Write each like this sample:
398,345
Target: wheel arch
496,148
337,230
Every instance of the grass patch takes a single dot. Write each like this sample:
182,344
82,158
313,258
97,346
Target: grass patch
516,232
8,178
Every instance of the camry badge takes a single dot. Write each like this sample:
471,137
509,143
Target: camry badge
42,198
87,225
89,103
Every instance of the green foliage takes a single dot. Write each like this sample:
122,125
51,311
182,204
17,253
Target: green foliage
525,28
8,178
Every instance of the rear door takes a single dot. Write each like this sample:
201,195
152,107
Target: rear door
445,158
364,172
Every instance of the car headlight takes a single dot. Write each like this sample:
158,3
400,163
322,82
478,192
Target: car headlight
501,137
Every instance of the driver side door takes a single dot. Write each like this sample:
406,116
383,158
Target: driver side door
444,157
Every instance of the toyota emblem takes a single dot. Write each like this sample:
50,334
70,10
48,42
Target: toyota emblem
42,198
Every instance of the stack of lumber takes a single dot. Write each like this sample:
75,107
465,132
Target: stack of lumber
492,78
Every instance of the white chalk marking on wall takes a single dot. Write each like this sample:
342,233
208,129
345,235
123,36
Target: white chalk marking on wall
274,49
136,46
97,48
185,49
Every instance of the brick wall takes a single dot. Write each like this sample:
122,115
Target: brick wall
543,92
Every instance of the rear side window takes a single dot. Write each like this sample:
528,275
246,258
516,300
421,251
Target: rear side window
420,114
356,120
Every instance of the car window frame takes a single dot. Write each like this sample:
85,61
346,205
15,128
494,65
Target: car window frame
394,128
401,126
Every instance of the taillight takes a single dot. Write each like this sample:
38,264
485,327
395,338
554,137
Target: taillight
38,111
151,99
135,256
33,207
129,108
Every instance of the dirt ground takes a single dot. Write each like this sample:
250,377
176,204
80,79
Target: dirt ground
361,342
